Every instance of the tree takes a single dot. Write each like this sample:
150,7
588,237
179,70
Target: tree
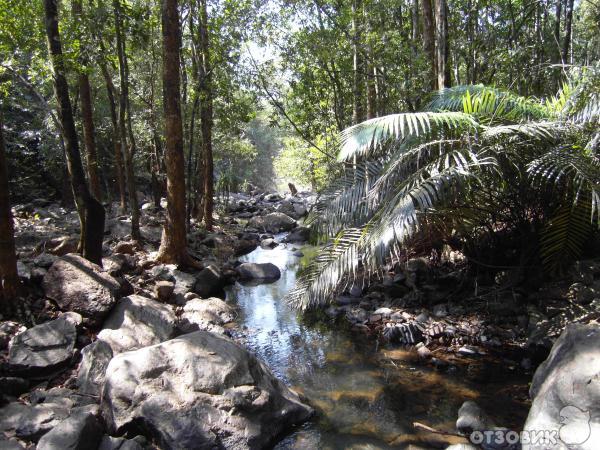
173,246
91,212
86,109
9,277
429,40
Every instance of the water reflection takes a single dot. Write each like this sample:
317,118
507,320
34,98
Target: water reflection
366,397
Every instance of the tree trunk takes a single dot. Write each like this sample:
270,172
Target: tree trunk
127,148
557,30
86,110
9,277
358,91
206,115
371,92
441,44
173,247
429,41
91,212
568,31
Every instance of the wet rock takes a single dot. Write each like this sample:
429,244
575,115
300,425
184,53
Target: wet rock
207,315
43,349
244,246
31,421
13,386
385,312
272,223
209,282
298,254
76,284
347,300
269,243
164,290
137,322
472,418
8,330
80,431
273,197
94,361
298,235
582,294
199,391
357,315
565,391
265,272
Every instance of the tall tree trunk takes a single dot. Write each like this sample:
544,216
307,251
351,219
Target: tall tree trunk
429,41
91,212
86,110
568,32
557,30
127,145
441,44
206,115
371,92
358,91
9,277
173,247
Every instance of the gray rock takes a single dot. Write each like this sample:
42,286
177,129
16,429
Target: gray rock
76,284
566,390
244,246
272,223
209,282
137,322
200,390
80,431
94,361
8,330
31,422
44,348
269,243
472,418
13,386
208,315
164,290
10,444
267,272
117,443
299,235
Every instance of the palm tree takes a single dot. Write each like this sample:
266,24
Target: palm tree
478,161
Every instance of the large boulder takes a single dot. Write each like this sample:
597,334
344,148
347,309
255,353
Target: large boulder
566,391
76,284
263,272
272,223
208,315
80,431
43,349
200,391
31,421
137,322
299,235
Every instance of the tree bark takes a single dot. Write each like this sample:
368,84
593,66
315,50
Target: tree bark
91,212
173,247
429,41
358,90
9,277
87,111
441,44
206,115
568,32
127,145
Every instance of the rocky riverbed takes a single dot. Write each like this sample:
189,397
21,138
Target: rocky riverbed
140,355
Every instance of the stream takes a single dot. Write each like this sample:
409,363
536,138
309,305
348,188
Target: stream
367,396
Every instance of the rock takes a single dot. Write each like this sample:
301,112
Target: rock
10,444
266,272
472,418
273,197
209,282
582,294
272,223
199,391
423,352
269,243
137,322
298,254
385,312
76,284
299,210
8,330
31,422
565,390
45,260
164,290
117,443
440,310
44,348
244,246
347,300
118,263
125,248
94,361
208,315
72,317
62,246
299,235
13,386
80,431
357,315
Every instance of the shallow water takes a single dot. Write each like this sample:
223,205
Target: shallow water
367,396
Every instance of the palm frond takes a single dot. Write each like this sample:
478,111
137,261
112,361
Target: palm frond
360,139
